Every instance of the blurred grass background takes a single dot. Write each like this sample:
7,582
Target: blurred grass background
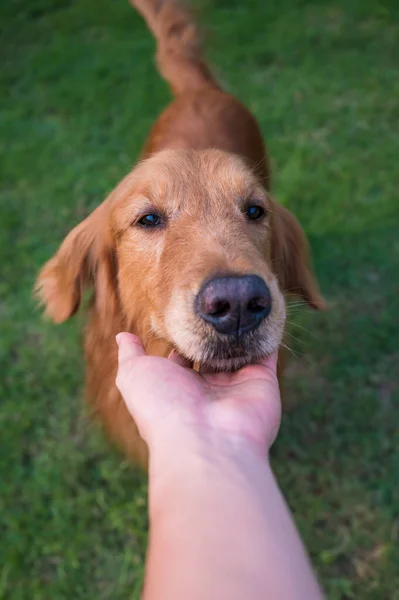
78,94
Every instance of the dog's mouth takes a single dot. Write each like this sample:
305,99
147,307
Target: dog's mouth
231,354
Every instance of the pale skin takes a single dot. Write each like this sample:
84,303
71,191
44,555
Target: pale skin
219,526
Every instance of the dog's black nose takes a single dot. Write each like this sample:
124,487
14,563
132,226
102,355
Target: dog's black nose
234,305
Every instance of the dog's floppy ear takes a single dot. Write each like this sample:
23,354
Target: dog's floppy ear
291,258
85,259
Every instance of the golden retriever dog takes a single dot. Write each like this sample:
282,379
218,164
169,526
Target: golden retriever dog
189,252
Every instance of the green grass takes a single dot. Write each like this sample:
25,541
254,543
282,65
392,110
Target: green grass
79,92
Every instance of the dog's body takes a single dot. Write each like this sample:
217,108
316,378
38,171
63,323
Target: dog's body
174,229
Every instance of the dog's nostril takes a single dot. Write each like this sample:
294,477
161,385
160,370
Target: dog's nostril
220,308
257,305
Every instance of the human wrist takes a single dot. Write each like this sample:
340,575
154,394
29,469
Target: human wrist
188,457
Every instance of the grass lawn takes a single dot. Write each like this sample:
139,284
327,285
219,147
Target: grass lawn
78,94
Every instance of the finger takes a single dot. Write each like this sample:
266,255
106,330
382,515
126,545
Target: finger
178,359
270,362
130,346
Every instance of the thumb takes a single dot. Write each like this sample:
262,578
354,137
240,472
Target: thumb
130,347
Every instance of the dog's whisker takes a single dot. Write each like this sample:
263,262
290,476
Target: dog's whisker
296,303
296,306
292,352
311,333
296,338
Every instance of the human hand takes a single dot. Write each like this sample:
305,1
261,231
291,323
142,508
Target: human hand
166,398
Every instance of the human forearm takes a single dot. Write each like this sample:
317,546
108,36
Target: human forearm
220,529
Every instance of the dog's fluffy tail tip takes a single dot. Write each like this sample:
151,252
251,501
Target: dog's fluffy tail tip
179,52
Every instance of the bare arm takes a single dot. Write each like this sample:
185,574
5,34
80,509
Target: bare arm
219,526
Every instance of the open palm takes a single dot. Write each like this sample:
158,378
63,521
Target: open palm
165,395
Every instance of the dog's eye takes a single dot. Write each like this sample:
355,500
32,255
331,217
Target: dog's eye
151,220
254,212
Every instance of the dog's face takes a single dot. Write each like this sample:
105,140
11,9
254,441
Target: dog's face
189,249
194,249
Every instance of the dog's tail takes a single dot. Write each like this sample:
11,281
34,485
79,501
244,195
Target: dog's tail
179,54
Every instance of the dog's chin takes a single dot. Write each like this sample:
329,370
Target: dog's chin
217,365
228,356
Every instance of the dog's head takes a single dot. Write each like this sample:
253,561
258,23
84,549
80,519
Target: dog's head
191,250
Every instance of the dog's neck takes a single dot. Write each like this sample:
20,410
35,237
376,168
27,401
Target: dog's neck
157,346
